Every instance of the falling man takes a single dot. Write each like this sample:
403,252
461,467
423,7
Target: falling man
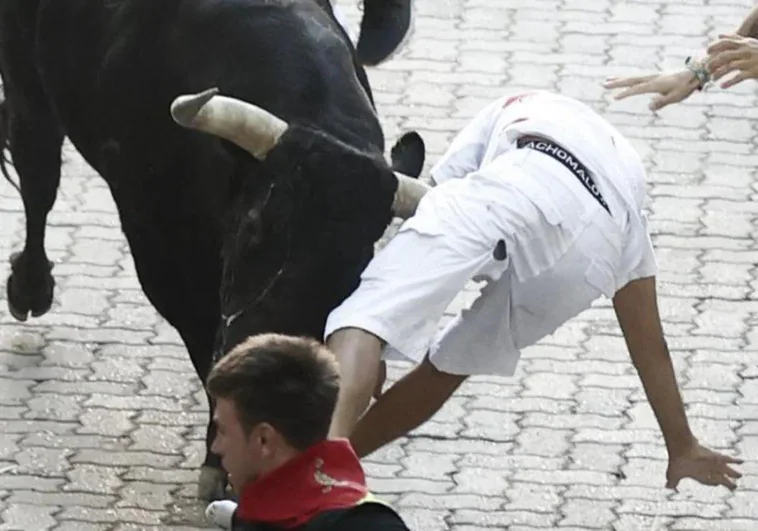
542,199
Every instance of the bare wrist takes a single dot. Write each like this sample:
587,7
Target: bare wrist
682,445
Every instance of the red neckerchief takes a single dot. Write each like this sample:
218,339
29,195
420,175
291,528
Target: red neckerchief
326,476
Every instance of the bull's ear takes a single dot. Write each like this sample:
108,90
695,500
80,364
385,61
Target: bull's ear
253,129
408,154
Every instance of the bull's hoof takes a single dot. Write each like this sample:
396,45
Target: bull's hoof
17,313
211,485
29,289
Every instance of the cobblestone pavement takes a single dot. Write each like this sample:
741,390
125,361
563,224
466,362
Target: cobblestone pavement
103,418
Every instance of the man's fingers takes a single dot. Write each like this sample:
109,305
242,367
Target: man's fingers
657,104
675,96
739,78
724,459
620,82
725,475
722,45
732,473
623,82
730,459
743,66
720,72
673,477
721,59
725,481
636,90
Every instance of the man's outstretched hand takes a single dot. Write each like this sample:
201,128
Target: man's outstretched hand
733,53
702,465
671,87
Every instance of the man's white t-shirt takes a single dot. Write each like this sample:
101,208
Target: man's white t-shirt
614,163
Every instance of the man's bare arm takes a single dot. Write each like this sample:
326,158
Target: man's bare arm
749,26
636,309
358,355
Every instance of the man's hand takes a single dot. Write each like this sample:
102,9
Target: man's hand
702,465
671,87
636,308
733,53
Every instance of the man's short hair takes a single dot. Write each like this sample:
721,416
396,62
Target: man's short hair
289,382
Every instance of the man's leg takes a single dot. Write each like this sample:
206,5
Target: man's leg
385,27
403,294
405,406
477,341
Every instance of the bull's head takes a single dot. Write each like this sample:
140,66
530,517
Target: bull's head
257,131
311,225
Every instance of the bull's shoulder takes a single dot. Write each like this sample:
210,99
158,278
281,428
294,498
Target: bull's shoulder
289,57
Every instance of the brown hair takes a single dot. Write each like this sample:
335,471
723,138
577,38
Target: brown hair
288,382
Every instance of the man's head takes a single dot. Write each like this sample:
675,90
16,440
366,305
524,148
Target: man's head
274,398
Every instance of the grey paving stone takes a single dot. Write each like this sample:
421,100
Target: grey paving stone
103,418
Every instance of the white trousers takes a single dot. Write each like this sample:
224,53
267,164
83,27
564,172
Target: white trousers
558,243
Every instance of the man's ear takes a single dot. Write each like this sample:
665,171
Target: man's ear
265,434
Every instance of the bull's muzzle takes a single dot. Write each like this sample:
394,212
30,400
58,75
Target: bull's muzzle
257,131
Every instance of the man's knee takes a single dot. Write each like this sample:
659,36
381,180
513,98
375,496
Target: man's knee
353,338
443,379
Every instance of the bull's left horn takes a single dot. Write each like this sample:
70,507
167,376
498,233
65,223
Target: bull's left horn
409,193
250,127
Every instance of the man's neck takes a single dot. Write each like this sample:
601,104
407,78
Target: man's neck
282,457
326,476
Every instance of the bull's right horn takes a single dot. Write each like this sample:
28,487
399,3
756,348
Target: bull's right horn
253,129
409,193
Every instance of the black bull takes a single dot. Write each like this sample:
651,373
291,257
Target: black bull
238,221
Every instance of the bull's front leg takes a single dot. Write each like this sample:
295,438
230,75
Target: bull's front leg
35,140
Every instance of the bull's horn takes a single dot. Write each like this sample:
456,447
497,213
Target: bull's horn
245,124
409,193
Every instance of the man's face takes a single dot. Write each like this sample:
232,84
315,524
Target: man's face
243,456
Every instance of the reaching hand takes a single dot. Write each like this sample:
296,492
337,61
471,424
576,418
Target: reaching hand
672,87
702,465
733,53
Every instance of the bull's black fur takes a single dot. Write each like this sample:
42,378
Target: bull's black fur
213,232
4,144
